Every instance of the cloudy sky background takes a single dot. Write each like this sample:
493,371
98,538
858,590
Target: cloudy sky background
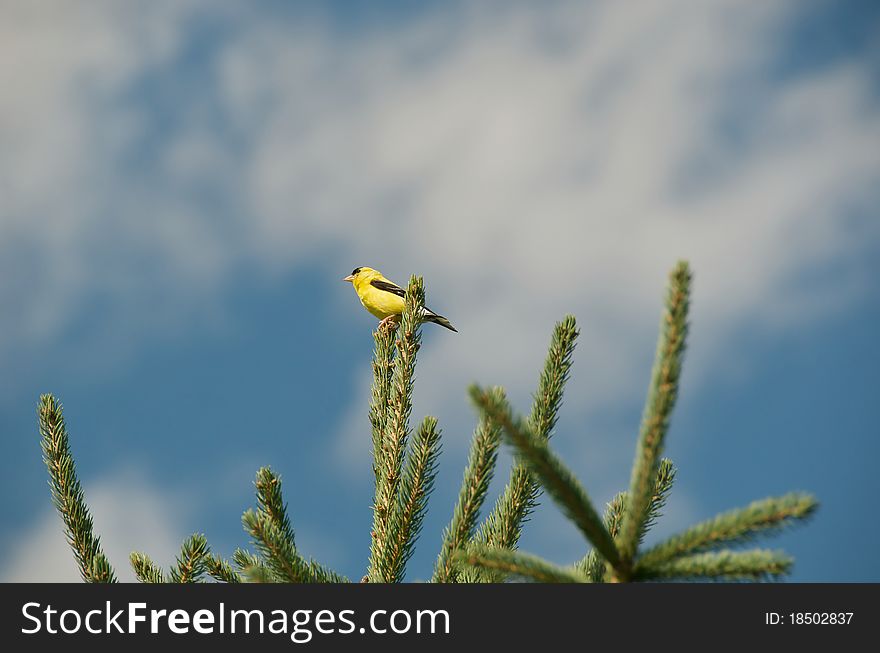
183,184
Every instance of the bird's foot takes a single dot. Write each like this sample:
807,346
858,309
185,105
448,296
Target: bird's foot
389,322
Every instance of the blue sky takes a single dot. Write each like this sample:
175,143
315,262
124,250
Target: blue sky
183,184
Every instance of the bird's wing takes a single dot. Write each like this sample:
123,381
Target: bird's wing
387,286
393,288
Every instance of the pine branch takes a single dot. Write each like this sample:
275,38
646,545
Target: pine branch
662,394
550,471
270,528
271,502
662,486
245,560
475,484
145,569
394,439
592,564
383,372
557,367
719,565
503,527
220,570
277,550
320,574
614,514
68,496
192,563
409,511
734,527
259,574
517,564
280,556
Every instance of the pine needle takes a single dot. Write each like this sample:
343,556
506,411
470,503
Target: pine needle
475,484
271,502
272,534
592,564
68,495
397,430
719,565
662,394
192,563
145,569
383,371
766,516
503,526
409,512
280,557
550,471
220,570
245,561
517,564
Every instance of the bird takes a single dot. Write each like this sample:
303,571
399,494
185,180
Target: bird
385,299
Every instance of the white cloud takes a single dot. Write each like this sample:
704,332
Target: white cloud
129,515
81,227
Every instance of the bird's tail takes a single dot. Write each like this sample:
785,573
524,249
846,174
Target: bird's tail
431,316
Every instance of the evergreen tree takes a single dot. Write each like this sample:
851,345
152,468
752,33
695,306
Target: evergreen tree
405,465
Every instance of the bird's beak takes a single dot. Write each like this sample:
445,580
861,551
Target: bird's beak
348,278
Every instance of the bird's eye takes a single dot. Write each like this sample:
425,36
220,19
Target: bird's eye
356,270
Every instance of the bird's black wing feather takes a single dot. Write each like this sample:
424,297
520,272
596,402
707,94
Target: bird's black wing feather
428,314
387,286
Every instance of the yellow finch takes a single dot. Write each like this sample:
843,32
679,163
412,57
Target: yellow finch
385,299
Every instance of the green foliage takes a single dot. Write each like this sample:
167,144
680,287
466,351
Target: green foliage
195,560
271,503
662,487
617,536
503,527
68,496
477,477
515,564
192,563
393,511
261,574
220,570
405,467
249,564
734,527
409,510
592,564
550,471
721,565
145,569
383,372
271,533
662,394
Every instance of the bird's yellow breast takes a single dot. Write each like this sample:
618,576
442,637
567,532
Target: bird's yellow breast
378,302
